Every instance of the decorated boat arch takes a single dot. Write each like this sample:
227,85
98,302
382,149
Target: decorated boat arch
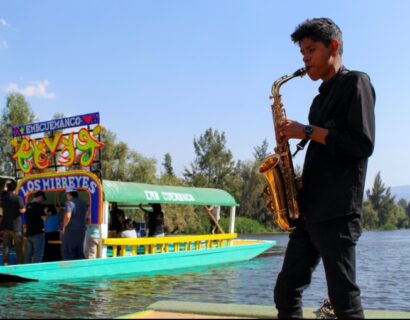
58,160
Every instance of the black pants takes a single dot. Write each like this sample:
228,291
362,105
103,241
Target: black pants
333,241
73,244
52,251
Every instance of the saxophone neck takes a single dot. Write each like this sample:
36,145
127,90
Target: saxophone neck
279,82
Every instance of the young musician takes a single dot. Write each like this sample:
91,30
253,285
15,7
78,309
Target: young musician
341,130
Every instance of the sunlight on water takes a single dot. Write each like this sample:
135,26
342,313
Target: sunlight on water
383,275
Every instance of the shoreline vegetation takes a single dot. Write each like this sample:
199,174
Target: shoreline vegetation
213,166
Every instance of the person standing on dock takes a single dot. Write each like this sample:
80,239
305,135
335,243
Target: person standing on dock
74,226
341,134
13,208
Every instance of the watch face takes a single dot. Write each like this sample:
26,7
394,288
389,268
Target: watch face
308,129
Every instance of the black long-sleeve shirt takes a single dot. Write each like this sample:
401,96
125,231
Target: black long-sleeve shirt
334,174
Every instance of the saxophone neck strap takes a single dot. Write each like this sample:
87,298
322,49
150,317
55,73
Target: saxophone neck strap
300,146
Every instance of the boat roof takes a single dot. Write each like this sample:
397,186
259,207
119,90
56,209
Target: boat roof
135,193
7,178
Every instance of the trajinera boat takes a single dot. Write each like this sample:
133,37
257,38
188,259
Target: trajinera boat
50,159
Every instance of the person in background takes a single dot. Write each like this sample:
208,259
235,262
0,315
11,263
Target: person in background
214,217
117,219
341,132
52,226
13,207
1,224
73,226
92,239
129,231
155,218
35,217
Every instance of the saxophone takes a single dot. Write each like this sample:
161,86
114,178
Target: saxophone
282,183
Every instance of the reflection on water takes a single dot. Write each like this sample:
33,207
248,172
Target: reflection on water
383,274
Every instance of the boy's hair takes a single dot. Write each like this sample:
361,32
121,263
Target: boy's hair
319,29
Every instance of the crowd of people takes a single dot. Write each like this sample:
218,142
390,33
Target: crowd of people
41,232
46,232
53,233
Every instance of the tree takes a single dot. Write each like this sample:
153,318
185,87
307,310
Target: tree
122,164
261,152
167,164
381,199
397,217
213,163
140,168
250,193
181,221
403,203
17,112
408,210
108,138
370,218
376,195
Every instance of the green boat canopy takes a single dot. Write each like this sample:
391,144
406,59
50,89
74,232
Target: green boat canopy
3,178
131,193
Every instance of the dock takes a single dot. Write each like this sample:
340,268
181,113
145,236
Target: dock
171,309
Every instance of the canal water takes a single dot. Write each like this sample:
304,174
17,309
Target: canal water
383,274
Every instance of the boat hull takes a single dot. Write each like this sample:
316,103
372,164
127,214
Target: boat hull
139,264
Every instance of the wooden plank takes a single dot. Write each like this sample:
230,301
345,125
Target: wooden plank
201,309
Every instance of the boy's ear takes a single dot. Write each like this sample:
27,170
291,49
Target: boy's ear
334,47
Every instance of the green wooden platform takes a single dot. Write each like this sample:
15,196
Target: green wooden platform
238,310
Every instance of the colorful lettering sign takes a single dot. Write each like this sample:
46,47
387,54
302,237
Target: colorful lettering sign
31,152
56,124
168,196
60,181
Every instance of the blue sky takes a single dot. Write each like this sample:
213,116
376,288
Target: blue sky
162,72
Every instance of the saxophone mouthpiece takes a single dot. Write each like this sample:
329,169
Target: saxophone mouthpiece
301,72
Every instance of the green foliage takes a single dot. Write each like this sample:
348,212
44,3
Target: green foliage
250,193
370,218
388,227
380,210
244,225
16,112
397,217
213,165
167,164
180,219
261,152
381,199
122,164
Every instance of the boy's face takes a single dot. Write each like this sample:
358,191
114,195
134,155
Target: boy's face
319,58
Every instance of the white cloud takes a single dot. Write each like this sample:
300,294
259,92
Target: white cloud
34,89
3,23
3,44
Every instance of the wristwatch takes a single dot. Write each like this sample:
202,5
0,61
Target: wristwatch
308,130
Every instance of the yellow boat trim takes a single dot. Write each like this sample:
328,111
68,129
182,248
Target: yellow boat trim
153,245
239,242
